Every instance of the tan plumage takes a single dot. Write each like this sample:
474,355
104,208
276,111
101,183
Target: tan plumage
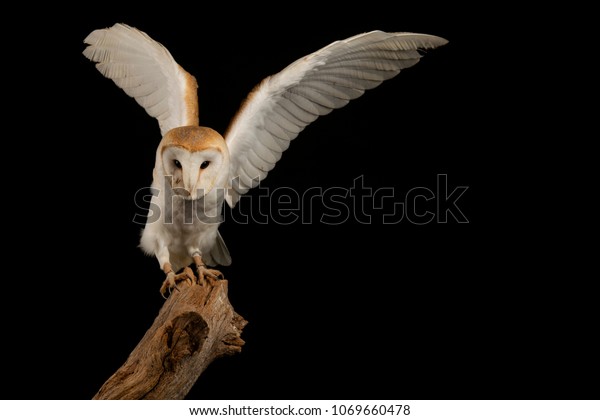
274,113
194,139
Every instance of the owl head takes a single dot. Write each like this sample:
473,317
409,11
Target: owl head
194,160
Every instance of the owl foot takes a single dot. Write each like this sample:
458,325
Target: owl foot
208,274
204,273
172,279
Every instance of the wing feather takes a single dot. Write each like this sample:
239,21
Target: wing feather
266,154
147,72
282,105
298,113
259,162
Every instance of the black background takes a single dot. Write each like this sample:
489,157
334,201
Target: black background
405,311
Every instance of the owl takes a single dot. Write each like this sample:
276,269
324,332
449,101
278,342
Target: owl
196,168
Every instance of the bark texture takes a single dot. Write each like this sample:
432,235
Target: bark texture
195,326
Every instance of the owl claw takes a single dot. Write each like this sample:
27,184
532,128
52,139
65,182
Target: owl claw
208,274
171,281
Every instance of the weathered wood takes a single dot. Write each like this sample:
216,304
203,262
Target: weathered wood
196,325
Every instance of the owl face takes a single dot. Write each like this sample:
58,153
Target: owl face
194,160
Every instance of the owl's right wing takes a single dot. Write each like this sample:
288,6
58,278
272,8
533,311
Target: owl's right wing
282,105
147,72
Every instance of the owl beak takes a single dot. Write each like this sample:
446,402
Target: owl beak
188,193
183,192
191,191
191,180
189,186
197,193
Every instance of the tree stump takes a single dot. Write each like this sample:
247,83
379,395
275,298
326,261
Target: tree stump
195,326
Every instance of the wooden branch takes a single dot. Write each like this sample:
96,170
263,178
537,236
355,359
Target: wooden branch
195,326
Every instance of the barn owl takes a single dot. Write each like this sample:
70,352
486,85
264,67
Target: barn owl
197,165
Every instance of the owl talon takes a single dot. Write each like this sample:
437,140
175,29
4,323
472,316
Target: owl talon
208,274
171,281
168,284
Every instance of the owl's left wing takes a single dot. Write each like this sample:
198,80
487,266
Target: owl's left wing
147,72
282,105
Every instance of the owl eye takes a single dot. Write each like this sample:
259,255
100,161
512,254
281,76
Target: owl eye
204,164
177,163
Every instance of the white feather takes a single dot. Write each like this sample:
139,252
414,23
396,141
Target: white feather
147,72
284,104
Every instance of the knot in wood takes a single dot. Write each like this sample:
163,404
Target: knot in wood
185,335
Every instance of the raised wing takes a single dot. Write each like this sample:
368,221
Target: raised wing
147,72
282,105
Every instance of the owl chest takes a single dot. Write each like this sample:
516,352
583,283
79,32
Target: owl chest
184,217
